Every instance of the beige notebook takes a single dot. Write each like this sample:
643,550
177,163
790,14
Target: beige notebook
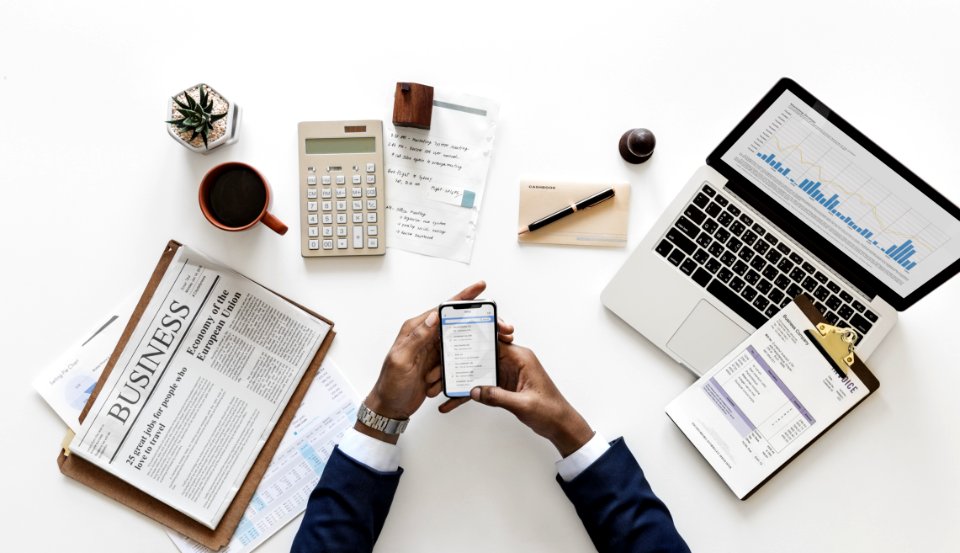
604,224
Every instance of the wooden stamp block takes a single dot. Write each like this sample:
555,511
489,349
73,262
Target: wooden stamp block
413,105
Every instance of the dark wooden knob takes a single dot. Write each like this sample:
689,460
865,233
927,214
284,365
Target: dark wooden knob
636,145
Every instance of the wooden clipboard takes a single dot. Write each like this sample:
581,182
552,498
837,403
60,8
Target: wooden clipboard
115,488
857,367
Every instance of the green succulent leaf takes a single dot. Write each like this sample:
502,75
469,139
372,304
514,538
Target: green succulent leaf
196,116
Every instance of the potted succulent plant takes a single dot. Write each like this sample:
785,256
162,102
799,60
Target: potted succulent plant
202,119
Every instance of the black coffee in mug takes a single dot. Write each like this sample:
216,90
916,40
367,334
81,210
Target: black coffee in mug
236,196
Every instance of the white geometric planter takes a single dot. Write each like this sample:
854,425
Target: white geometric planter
225,131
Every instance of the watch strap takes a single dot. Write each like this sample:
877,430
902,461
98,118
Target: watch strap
379,422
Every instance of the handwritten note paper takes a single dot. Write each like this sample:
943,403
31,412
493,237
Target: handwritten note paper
436,177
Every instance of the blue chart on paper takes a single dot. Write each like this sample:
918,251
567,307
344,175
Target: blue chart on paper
79,390
901,253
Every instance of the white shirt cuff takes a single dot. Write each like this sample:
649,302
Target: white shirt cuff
572,465
370,451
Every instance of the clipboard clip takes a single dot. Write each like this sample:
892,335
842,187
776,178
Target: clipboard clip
837,344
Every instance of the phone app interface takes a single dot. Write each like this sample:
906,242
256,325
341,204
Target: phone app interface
469,348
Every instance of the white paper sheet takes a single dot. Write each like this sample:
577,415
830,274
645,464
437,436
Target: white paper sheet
66,384
328,409
764,402
436,178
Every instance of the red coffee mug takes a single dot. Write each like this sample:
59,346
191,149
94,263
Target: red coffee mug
234,196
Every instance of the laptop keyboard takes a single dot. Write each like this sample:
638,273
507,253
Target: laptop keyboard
747,268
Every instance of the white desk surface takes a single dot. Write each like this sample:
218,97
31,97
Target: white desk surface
95,187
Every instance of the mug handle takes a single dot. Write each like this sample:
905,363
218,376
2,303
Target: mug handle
276,225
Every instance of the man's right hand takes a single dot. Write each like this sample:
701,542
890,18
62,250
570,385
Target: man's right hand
526,391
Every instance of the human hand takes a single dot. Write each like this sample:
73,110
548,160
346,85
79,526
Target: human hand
526,391
411,370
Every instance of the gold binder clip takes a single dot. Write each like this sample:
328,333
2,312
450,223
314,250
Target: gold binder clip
838,345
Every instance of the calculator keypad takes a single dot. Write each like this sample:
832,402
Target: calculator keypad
340,193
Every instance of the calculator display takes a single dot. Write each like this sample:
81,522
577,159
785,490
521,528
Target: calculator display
339,145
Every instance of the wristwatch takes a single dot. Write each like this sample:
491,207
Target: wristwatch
384,424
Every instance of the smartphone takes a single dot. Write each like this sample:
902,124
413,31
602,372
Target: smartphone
468,346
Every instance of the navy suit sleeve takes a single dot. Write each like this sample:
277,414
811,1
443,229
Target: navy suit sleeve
618,508
347,509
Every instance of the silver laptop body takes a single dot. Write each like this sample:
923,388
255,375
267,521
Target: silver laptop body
728,253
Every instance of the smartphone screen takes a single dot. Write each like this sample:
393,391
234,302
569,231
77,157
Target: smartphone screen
469,340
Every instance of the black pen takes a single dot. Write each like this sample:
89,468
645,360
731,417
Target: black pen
589,201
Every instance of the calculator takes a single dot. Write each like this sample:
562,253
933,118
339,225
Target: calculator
341,188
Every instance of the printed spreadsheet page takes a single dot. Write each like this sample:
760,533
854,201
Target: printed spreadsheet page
766,400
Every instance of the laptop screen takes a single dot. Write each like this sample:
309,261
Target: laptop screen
902,235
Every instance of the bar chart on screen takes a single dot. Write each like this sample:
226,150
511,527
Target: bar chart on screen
822,172
848,194
868,210
841,190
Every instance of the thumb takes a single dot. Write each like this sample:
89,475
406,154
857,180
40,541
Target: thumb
498,397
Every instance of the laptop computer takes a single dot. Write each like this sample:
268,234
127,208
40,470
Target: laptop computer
794,200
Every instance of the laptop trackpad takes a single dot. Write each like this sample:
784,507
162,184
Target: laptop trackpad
705,337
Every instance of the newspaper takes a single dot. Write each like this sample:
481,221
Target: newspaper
328,409
199,387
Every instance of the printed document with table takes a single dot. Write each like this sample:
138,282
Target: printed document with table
768,399
795,200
